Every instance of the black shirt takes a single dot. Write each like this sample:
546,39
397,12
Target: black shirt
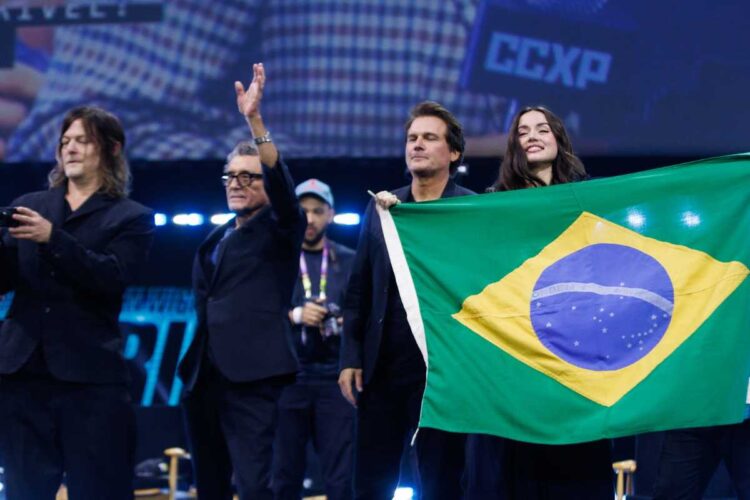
319,354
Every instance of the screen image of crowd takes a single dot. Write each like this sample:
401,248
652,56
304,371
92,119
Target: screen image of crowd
345,73
290,355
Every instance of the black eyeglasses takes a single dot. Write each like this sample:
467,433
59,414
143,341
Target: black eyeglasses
244,179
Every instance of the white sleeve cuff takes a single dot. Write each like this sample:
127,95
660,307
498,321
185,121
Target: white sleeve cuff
297,315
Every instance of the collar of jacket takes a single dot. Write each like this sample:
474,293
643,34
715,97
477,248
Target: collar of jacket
449,191
97,201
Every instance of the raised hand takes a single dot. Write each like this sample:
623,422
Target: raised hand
248,101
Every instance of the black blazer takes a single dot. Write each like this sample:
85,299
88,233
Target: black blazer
367,294
242,304
68,292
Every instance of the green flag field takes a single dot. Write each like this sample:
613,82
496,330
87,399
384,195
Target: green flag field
582,311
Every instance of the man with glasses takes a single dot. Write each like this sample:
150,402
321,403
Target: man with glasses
242,354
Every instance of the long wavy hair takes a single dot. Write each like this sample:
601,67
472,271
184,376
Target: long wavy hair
106,132
514,169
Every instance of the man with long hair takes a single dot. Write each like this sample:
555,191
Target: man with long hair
65,402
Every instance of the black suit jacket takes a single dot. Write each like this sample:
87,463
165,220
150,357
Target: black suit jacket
68,292
242,303
367,294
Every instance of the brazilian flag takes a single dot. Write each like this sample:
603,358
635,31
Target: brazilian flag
582,311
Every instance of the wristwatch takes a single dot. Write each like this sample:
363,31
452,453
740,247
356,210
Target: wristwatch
263,138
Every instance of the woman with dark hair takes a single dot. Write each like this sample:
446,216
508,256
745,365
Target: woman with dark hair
539,153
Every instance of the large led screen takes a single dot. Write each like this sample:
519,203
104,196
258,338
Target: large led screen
628,76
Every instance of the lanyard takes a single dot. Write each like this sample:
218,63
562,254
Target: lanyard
306,285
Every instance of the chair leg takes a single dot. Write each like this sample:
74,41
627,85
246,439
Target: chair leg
629,484
62,493
624,471
174,455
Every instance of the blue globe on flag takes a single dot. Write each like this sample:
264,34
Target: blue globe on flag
602,307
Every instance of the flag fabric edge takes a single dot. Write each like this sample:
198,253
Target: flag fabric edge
404,280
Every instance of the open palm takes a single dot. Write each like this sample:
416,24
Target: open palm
248,101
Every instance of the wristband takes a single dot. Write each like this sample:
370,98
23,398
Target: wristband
263,138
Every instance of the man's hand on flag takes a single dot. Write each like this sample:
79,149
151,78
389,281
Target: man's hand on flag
385,199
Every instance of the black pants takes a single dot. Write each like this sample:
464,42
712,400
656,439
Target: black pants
50,427
483,477
689,459
314,410
387,416
231,427
580,471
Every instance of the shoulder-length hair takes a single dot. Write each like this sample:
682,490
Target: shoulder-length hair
514,169
105,130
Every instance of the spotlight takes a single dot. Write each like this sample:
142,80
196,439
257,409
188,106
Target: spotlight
691,219
219,219
188,219
636,219
346,219
403,493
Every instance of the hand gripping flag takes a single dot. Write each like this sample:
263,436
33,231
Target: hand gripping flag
582,311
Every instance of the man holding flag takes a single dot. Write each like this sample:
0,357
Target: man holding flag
602,309
380,358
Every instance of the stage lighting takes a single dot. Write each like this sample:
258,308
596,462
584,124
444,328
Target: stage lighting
346,219
636,219
219,219
691,219
188,219
403,493
160,219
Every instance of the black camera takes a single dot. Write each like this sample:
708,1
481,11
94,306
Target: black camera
331,324
6,217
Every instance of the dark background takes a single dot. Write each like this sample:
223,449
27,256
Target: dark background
185,187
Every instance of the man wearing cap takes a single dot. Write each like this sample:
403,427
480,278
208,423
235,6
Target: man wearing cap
314,408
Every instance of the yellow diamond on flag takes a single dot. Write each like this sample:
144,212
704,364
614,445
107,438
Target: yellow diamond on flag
601,306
